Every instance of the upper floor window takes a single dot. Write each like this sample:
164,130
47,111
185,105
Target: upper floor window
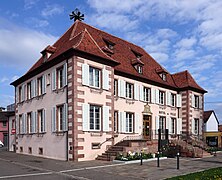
20,94
29,90
115,87
129,122
173,99
95,117
196,101
59,77
94,77
147,95
161,97
129,90
4,123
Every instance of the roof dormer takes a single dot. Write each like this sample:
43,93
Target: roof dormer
47,52
162,73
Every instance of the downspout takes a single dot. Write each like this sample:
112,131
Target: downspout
67,151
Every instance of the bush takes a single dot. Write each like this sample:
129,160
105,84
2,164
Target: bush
133,156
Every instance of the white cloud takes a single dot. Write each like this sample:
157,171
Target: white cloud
28,4
51,10
6,100
37,23
14,78
21,47
186,43
182,54
160,57
3,79
114,21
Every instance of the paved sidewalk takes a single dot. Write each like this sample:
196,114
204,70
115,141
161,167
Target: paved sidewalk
29,167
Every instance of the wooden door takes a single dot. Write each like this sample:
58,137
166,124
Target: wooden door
147,127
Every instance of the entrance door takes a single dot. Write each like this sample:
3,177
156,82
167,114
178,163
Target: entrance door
5,139
147,127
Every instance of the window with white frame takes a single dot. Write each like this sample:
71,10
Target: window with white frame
161,97
196,126
29,123
41,85
21,124
129,90
173,99
173,120
129,122
20,94
115,87
163,76
29,90
59,77
146,93
59,119
95,118
196,101
94,77
162,122
115,126
41,120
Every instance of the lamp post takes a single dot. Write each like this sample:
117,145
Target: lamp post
178,163
158,159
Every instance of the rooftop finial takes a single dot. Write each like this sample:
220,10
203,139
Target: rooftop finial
76,15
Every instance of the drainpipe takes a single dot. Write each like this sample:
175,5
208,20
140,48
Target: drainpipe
67,146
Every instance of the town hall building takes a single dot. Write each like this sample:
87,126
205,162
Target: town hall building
87,92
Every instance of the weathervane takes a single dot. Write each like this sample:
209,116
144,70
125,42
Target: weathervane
76,15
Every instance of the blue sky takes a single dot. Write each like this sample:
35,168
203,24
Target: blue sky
180,35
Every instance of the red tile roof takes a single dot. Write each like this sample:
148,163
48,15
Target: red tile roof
90,40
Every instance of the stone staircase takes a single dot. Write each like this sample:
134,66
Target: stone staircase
126,146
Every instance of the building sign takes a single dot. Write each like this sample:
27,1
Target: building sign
13,131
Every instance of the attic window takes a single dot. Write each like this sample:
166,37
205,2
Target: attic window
139,68
109,44
138,55
163,76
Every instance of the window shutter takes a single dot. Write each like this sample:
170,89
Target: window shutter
17,124
137,123
35,122
54,124
157,96
64,76
136,92
32,122
153,95
106,118
120,122
122,88
200,102
193,100
168,123
193,126
54,79
179,125
65,117
119,87
168,98
85,74
179,100
157,124
44,120
17,94
124,122
141,93
32,88
85,117
105,79
44,84
25,123
23,93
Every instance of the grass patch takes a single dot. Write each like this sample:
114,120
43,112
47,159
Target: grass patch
210,174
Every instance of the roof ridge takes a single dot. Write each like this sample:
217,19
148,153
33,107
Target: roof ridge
179,72
114,36
73,30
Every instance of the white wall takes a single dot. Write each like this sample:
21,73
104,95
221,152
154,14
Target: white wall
212,124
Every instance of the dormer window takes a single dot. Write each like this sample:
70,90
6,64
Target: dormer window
109,44
139,68
47,52
163,76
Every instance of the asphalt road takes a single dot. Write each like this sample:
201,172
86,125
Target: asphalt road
22,167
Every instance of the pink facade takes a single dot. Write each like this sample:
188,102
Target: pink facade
75,105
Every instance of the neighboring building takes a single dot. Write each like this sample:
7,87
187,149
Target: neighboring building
87,92
212,134
11,131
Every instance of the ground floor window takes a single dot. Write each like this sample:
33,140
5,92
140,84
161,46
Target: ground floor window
212,141
129,122
162,121
115,126
95,117
173,120
196,126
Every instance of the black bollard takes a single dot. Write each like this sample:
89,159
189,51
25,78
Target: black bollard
158,159
141,158
178,164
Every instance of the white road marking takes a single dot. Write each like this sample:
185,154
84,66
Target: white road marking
25,175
